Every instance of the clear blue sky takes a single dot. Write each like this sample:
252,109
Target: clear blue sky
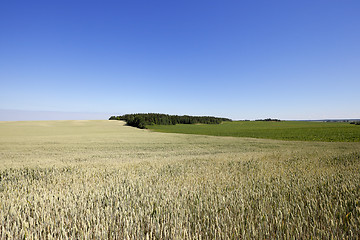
237,59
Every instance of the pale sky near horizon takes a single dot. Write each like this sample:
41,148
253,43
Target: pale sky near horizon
236,59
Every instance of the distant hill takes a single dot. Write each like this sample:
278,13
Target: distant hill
331,120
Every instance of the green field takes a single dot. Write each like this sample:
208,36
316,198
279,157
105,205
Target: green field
284,130
105,180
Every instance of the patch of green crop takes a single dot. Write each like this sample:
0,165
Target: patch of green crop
285,130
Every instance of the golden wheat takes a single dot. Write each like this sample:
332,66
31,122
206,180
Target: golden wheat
104,180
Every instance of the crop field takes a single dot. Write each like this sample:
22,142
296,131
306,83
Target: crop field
105,180
284,130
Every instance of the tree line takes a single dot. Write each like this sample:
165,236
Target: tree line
269,120
140,120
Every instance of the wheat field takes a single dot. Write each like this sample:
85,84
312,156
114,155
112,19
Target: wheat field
105,180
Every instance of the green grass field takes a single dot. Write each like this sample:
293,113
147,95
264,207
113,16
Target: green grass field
105,180
285,130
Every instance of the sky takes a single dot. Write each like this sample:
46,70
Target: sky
86,59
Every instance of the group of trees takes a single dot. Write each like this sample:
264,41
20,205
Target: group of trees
355,122
140,120
269,120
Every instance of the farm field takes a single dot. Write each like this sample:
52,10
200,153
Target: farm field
284,130
105,180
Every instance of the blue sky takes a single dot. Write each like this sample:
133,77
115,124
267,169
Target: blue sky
237,59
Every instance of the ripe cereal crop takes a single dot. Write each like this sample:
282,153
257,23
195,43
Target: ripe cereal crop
105,180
